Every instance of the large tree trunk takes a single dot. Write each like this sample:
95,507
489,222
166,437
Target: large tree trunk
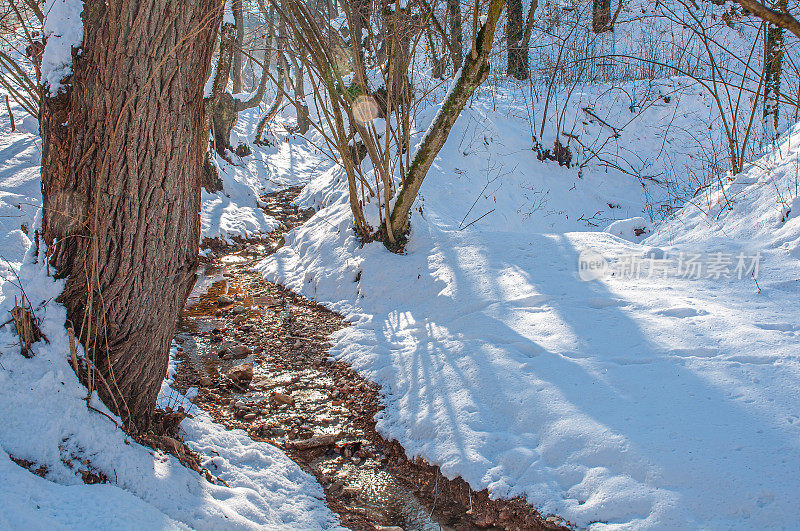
517,66
122,156
773,64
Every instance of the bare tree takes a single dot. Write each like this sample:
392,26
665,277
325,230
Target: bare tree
776,17
773,60
456,44
474,72
223,108
357,121
517,65
236,68
122,154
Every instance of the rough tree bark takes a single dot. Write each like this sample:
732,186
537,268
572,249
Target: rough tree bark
474,72
601,15
122,151
517,65
773,63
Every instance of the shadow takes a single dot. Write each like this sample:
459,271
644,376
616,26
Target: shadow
521,378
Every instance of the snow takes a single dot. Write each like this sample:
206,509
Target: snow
631,229
63,30
227,16
234,211
616,400
638,403
45,420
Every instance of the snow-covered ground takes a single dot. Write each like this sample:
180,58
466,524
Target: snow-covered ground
637,400
234,211
44,418
666,399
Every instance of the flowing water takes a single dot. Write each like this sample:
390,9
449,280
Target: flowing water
298,400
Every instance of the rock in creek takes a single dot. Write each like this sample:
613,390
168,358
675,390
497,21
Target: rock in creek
242,374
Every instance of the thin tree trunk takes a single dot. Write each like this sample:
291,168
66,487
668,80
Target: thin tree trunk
773,63
456,44
272,111
282,79
269,16
301,108
236,72
517,65
474,72
529,22
221,75
122,154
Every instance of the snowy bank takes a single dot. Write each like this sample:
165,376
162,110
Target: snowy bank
44,420
234,212
645,402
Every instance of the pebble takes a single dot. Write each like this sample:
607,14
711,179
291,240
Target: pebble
224,300
237,309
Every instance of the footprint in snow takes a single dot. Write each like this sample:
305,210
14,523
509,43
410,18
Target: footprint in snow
681,312
602,302
698,352
780,327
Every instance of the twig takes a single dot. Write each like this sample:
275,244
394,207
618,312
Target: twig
477,220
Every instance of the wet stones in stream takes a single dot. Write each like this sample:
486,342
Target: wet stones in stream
258,355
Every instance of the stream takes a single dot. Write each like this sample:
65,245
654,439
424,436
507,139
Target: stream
258,355
296,399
